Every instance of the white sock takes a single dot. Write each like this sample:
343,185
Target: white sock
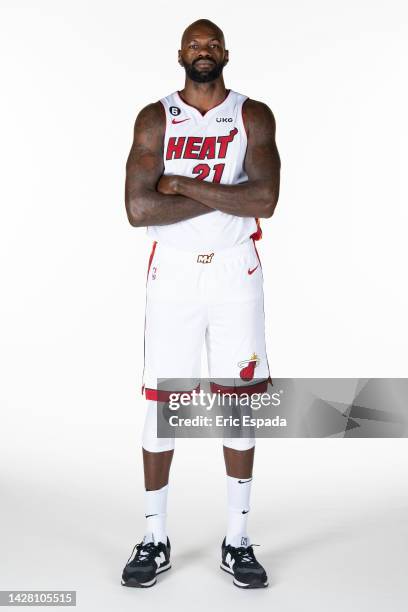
238,494
156,513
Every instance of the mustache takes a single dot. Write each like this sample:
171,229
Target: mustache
204,59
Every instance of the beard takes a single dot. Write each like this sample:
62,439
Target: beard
203,76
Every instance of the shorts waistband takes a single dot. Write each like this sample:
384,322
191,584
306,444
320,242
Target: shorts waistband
205,257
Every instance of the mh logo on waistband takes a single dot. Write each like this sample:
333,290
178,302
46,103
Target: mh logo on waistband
205,258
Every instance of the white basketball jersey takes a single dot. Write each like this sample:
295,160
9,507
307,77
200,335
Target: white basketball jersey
209,147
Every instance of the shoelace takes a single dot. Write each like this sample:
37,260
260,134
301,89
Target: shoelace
145,551
246,554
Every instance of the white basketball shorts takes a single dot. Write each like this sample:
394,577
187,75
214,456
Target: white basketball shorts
214,298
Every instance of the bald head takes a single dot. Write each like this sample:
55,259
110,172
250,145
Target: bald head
203,54
200,28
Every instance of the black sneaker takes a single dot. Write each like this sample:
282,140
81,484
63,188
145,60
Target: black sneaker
146,561
241,563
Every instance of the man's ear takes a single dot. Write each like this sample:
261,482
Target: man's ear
226,56
179,58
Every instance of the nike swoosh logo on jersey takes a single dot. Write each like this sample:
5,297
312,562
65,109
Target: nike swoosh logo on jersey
253,269
180,121
245,511
243,481
147,515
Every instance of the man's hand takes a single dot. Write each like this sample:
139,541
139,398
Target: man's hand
167,185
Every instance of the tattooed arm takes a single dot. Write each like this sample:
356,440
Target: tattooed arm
259,195
144,204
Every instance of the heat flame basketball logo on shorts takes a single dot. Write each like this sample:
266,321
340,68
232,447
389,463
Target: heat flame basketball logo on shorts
248,367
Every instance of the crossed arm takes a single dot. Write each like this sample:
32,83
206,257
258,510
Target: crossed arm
154,199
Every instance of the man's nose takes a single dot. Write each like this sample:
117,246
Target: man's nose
205,57
204,53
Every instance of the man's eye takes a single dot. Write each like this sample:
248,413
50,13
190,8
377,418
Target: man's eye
193,46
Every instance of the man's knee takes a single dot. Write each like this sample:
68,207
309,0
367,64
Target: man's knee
240,444
150,441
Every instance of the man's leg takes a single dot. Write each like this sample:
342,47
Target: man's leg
157,457
152,555
238,464
237,358
175,326
156,469
237,555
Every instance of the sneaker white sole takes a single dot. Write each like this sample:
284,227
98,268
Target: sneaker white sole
239,584
150,583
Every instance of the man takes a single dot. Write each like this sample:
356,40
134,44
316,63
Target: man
202,170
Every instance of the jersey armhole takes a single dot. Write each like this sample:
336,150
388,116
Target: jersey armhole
162,102
245,131
257,234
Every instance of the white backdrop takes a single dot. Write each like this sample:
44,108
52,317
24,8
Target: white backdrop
74,75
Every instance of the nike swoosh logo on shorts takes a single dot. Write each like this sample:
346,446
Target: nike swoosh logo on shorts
147,515
245,511
253,269
180,121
